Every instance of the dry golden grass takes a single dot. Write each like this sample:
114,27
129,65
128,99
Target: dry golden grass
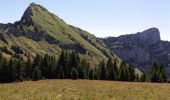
84,90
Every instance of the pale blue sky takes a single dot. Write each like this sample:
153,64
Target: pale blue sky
100,17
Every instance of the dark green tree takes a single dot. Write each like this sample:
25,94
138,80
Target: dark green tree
36,73
74,73
142,78
85,66
122,71
75,59
20,69
137,79
102,69
157,72
91,74
11,73
4,71
132,73
112,70
28,68
81,72
64,62
61,73
37,60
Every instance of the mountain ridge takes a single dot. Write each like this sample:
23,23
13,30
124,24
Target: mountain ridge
141,49
40,31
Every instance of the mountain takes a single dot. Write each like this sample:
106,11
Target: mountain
141,49
40,31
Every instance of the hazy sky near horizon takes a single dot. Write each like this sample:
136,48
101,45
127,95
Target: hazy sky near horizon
100,17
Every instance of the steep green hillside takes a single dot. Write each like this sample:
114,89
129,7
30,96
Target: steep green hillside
40,31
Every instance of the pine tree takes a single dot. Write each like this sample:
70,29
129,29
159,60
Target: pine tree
102,69
112,74
4,71
91,74
137,79
1,57
142,78
20,69
52,67
116,70
81,73
122,71
28,68
64,62
75,59
112,70
95,72
74,73
61,73
36,73
37,60
157,73
132,73
11,71
85,66
109,70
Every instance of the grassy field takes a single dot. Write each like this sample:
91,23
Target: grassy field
83,90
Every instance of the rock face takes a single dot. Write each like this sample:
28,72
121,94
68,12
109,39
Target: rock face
140,49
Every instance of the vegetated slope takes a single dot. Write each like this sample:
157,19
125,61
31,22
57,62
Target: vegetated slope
40,31
141,49
84,90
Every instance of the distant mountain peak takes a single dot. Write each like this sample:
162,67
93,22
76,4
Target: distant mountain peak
33,9
147,37
151,35
32,4
153,30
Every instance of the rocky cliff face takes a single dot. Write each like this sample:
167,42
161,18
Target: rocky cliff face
141,49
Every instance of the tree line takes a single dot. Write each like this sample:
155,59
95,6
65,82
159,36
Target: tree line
72,66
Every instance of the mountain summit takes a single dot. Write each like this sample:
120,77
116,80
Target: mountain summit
147,37
40,31
150,36
141,49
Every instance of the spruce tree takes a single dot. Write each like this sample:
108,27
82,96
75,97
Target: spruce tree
102,69
37,60
1,57
74,59
61,73
142,78
20,69
116,71
4,71
81,73
11,73
112,70
28,68
64,62
122,71
74,73
91,74
132,73
36,73
137,79
157,72
85,66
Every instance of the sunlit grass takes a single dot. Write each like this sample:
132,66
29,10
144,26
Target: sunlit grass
84,90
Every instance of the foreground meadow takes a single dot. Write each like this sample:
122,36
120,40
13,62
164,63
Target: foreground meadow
84,90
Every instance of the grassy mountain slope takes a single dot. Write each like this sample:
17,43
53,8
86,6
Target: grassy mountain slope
40,31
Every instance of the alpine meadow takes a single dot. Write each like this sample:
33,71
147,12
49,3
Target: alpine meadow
44,58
